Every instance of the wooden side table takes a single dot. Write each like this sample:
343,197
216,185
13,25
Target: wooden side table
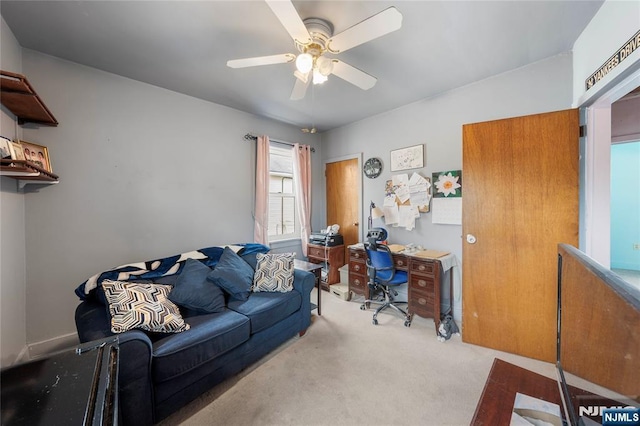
315,269
333,256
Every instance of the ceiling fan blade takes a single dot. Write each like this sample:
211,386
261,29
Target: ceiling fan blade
261,60
382,23
300,88
353,75
289,18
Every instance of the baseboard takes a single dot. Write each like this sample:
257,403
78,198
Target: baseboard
49,346
23,356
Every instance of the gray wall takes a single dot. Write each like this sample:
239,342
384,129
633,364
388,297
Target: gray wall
144,173
12,230
437,123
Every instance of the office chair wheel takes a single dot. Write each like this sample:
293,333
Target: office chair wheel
407,323
375,321
364,306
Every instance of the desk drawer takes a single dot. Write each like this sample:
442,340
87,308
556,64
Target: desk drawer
401,262
422,296
357,255
422,267
316,252
421,283
357,283
358,268
422,305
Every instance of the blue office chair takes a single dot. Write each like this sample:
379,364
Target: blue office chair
383,276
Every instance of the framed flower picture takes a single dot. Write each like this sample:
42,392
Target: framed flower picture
448,184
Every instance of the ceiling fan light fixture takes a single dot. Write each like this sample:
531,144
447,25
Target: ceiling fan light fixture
324,65
318,77
304,62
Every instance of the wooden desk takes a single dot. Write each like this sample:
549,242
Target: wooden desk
424,281
315,269
505,380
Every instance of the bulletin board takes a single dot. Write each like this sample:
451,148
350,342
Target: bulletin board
405,198
420,193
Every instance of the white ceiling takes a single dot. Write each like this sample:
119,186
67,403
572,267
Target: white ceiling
184,46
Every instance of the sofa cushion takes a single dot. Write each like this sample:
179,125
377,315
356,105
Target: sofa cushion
192,290
143,306
250,259
274,272
233,275
210,336
265,309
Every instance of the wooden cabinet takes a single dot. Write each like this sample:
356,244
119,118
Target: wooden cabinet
424,281
333,257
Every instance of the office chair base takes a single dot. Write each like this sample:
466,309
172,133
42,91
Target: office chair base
384,305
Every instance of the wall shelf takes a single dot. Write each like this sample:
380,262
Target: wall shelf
23,101
26,173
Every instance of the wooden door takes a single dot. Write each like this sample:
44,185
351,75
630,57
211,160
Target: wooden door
343,199
520,200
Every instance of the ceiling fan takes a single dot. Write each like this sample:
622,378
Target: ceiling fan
314,39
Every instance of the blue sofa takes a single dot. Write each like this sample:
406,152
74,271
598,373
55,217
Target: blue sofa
160,373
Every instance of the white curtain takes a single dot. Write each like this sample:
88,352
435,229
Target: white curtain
302,180
261,214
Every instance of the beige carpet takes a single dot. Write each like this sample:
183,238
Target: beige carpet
346,371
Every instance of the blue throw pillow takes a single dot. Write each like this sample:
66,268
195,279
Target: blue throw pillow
192,289
233,275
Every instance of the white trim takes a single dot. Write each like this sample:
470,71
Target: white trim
597,226
597,242
626,138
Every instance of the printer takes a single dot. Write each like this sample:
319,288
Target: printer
327,237
323,239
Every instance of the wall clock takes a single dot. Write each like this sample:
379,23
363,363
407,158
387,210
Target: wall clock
372,168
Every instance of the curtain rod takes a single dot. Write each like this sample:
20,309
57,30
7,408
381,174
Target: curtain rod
250,137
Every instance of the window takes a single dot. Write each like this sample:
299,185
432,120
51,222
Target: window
283,220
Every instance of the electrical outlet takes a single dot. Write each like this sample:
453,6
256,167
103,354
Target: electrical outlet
636,246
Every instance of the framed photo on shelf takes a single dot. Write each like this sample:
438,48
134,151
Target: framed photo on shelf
17,153
407,158
36,154
5,148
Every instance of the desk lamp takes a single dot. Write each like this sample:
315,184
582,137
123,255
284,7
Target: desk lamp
374,213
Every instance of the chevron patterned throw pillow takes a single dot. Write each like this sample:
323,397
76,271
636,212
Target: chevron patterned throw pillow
143,306
274,272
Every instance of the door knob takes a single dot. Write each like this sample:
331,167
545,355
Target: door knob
356,224
471,239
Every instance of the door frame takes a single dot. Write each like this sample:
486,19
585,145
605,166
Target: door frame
357,156
595,229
